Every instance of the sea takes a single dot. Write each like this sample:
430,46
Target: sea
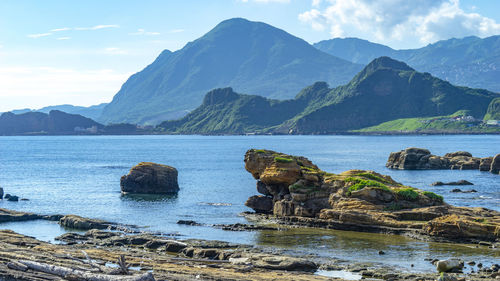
81,175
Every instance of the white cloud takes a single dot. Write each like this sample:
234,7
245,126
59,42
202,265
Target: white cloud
29,86
63,38
97,27
60,29
38,35
142,31
397,20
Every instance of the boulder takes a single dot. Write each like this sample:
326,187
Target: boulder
260,204
409,159
77,222
1,193
449,265
495,164
282,263
150,178
13,198
460,182
485,163
458,153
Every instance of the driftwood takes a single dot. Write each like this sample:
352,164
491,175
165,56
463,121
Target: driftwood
79,275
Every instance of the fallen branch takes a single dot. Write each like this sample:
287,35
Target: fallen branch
79,275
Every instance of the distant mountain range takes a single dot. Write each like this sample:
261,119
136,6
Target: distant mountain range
470,61
251,57
59,123
92,112
384,90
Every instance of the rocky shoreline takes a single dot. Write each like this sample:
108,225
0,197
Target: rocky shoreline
124,254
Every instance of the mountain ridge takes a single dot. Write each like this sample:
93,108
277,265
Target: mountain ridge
384,90
251,57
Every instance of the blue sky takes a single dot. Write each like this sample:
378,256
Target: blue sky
81,52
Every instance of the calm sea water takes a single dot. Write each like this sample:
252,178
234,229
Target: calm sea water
81,175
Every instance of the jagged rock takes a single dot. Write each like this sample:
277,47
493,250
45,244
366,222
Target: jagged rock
150,178
460,182
261,204
262,189
421,159
77,222
495,164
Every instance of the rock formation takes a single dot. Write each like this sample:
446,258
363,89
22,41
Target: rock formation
150,178
1,193
361,200
421,159
495,164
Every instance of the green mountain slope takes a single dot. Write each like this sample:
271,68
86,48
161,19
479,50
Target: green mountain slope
384,90
251,57
55,122
438,124
224,111
469,61
493,112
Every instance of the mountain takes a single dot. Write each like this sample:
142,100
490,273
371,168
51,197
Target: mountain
384,90
493,112
469,61
56,122
224,111
251,57
92,112
354,49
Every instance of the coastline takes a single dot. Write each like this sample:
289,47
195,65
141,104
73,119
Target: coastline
148,254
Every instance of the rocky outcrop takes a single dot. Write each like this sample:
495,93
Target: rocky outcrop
81,223
421,159
150,178
460,182
296,191
495,164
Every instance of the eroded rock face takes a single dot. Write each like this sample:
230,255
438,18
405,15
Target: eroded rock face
150,178
295,190
495,164
421,159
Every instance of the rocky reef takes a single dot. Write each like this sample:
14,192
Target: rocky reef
297,192
421,159
150,178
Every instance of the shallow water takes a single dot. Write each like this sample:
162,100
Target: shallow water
81,175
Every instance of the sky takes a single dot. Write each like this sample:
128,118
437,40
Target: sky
81,52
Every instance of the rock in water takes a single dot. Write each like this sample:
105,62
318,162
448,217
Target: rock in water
261,204
13,198
495,164
460,182
449,265
150,178
1,193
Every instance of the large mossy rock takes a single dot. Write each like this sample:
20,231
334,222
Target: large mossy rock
297,191
150,178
